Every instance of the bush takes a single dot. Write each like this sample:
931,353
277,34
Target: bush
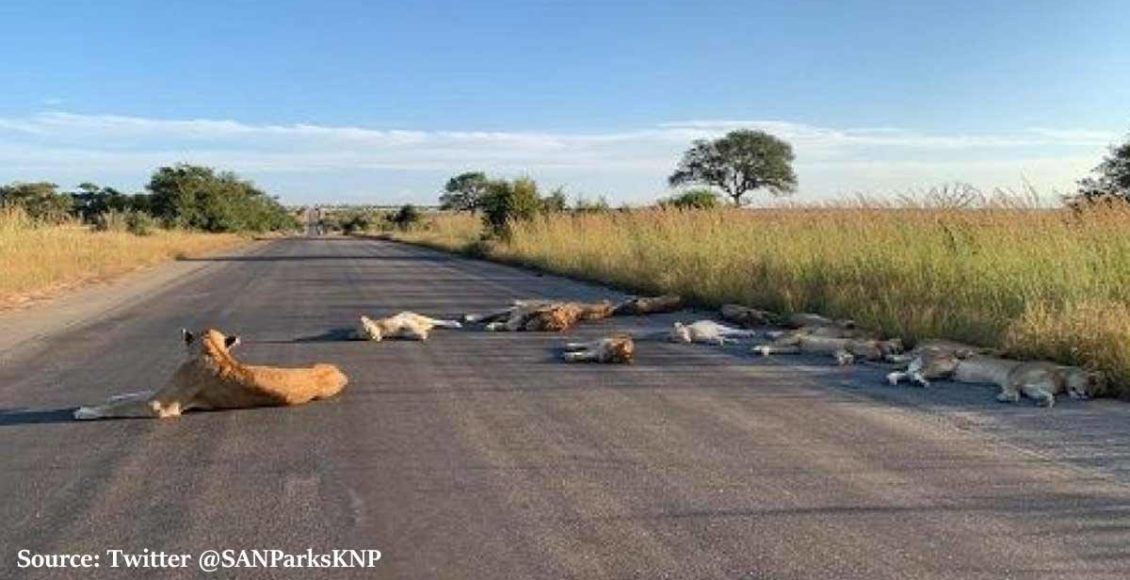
140,223
405,218
692,199
135,222
41,201
507,201
585,206
110,221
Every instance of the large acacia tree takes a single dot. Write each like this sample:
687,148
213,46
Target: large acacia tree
742,161
464,192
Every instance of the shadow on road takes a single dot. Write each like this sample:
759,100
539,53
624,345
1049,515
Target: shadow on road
9,417
316,257
343,334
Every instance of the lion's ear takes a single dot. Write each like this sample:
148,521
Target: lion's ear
230,341
187,336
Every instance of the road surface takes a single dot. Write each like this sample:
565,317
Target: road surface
478,455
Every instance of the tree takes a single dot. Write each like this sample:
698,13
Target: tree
1112,179
91,201
41,201
508,201
555,202
192,196
700,198
464,192
742,161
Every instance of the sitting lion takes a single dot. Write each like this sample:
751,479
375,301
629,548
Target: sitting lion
212,378
408,325
541,315
615,349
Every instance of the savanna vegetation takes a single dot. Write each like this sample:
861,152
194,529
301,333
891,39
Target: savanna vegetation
40,260
52,239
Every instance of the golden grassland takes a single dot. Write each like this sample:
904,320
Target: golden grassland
40,261
1039,283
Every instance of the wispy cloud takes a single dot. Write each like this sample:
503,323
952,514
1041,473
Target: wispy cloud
43,145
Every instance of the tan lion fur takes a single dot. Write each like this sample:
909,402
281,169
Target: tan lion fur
616,349
845,350
542,315
1037,380
407,325
745,316
650,305
212,378
706,332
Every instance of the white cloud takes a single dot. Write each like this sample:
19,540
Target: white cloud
624,164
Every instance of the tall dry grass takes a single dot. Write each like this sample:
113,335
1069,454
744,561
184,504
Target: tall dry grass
38,261
1038,282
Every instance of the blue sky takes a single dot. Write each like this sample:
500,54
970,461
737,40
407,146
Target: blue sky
379,102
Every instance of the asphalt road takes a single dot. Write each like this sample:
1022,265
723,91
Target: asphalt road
478,455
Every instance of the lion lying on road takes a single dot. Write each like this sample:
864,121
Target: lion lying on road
408,325
616,349
212,378
649,305
707,332
541,315
1037,380
845,350
745,316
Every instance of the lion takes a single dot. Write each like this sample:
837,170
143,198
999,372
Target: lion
932,359
616,349
745,316
541,315
212,378
650,305
845,350
407,325
1037,380
707,332
1042,381
808,320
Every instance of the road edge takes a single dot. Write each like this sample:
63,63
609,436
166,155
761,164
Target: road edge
27,329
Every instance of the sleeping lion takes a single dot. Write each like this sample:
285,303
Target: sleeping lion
212,378
407,325
541,315
1038,380
615,349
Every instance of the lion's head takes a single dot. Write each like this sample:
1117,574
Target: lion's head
368,330
210,341
680,333
1084,384
621,348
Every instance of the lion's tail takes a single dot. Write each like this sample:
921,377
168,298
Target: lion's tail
330,380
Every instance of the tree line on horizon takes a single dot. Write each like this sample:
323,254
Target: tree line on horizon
735,165
181,196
